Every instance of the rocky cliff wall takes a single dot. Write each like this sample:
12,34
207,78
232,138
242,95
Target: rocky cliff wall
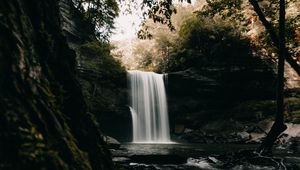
199,95
43,117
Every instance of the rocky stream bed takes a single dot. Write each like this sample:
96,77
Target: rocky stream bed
184,156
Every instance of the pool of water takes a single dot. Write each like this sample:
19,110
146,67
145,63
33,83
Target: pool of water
188,150
193,154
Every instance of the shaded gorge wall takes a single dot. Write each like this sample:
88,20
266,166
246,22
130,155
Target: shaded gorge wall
44,119
102,78
198,96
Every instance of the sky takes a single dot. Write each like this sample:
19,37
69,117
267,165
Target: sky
127,25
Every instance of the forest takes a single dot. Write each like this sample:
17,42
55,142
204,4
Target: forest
202,84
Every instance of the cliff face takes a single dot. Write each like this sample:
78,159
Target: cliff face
43,117
201,95
102,77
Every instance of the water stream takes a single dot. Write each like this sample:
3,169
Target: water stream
148,107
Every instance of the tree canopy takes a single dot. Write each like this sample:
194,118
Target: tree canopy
99,13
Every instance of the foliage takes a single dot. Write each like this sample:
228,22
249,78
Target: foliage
148,54
98,57
204,42
214,31
197,41
159,12
241,15
99,13
143,53
103,13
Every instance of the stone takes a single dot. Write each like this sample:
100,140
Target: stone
112,142
121,159
256,137
243,135
158,159
187,130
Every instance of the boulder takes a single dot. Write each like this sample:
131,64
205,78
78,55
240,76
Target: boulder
188,130
121,159
111,142
243,135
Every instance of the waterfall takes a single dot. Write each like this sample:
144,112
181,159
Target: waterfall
148,107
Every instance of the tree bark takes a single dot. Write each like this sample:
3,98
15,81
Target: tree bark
278,126
273,36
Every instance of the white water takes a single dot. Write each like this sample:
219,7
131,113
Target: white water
148,107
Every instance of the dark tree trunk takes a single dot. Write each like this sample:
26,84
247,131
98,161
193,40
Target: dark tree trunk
270,29
278,126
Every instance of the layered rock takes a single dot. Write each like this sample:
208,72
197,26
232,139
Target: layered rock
209,93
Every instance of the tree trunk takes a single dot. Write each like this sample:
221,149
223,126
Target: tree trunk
278,126
270,29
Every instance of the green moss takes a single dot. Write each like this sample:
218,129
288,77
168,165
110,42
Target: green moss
80,158
35,153
33,147
75,157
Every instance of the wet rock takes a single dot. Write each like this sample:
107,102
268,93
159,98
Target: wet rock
292,145
188,130
118,152
214,160
201,163
243,135
295,145
256,138
265,125
247,158
135,166
254,129
158,159
112,142
293,130
121,159
290,139
263,161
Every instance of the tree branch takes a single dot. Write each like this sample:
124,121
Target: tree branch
270,29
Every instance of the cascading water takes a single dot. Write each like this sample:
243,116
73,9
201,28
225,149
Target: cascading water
149,107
